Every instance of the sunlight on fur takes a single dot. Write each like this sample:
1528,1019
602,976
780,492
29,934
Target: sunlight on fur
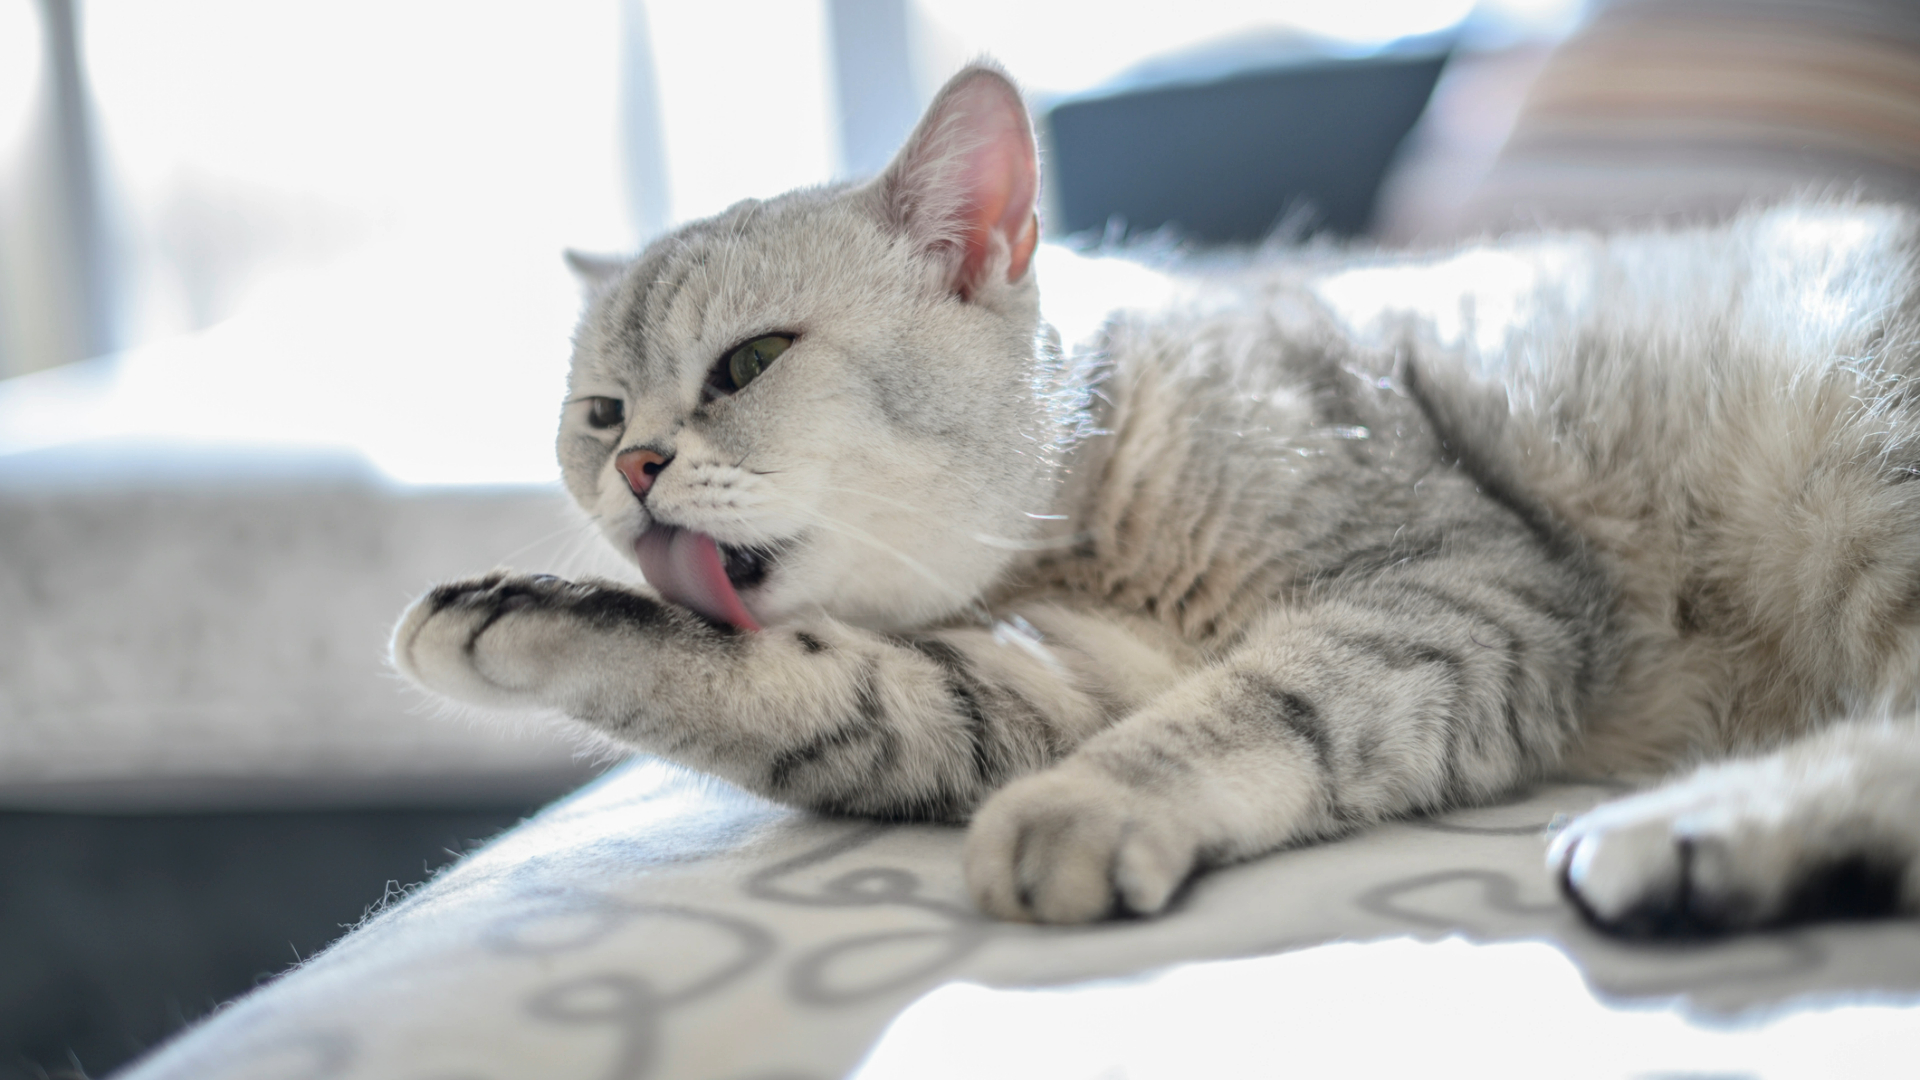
1474,299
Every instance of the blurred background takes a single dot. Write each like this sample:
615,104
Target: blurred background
166,167
284,328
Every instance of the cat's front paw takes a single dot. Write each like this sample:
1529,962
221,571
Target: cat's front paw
1732,848
1071,845
501,639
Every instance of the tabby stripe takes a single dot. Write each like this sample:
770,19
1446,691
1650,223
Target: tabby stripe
1583,628
658,310
961,686
1370,561
1558,542
640,317
617,608
1452,607
1512,652
1515,671
869,723
1401,655
1450,760
1293,711
1539,604
1466,609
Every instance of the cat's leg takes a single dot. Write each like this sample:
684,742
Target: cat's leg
1826,827
1425,686
821,715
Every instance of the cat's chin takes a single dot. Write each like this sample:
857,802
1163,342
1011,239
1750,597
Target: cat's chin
692,569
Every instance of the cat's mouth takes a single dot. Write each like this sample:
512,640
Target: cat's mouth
695,570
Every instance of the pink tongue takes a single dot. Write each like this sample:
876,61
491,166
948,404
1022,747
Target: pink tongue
686,567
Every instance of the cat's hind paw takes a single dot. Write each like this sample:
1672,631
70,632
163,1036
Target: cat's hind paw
1071,846
1734,847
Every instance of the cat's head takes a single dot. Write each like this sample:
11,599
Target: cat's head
830,401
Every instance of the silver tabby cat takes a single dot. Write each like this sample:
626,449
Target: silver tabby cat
1236,577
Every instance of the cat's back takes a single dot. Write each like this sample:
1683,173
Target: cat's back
1727,414
1723,414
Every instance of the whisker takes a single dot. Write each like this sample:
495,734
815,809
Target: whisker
1006,543
877,497
841,528
573,528
1048,544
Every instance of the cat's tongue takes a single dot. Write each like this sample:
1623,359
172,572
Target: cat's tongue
687,569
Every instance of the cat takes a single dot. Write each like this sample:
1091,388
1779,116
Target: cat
1238,576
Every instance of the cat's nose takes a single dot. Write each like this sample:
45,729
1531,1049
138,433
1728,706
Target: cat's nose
640,467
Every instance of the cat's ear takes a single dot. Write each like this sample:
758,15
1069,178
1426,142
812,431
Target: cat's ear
964,185
595,272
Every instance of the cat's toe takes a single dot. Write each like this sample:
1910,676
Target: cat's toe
1068,847
1631,879
460,639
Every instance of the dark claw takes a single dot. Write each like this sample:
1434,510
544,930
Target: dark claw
1856,886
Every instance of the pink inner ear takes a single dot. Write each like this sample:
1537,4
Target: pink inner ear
999,177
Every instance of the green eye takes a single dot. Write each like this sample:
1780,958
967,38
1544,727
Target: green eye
746,363
605,412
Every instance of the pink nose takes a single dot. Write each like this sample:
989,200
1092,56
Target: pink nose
640,467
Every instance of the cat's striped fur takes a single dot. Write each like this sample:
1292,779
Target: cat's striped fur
1245,574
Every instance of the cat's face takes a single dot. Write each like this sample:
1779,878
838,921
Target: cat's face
829,401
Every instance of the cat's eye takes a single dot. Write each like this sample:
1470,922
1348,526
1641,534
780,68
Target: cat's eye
744,364
605,412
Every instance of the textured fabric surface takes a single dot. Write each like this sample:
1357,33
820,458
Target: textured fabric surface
658,925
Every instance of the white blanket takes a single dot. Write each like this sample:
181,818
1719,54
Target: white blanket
661,925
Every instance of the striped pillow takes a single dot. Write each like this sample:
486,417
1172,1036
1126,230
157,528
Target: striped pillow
1662,109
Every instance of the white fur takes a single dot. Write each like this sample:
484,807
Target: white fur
1250,573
